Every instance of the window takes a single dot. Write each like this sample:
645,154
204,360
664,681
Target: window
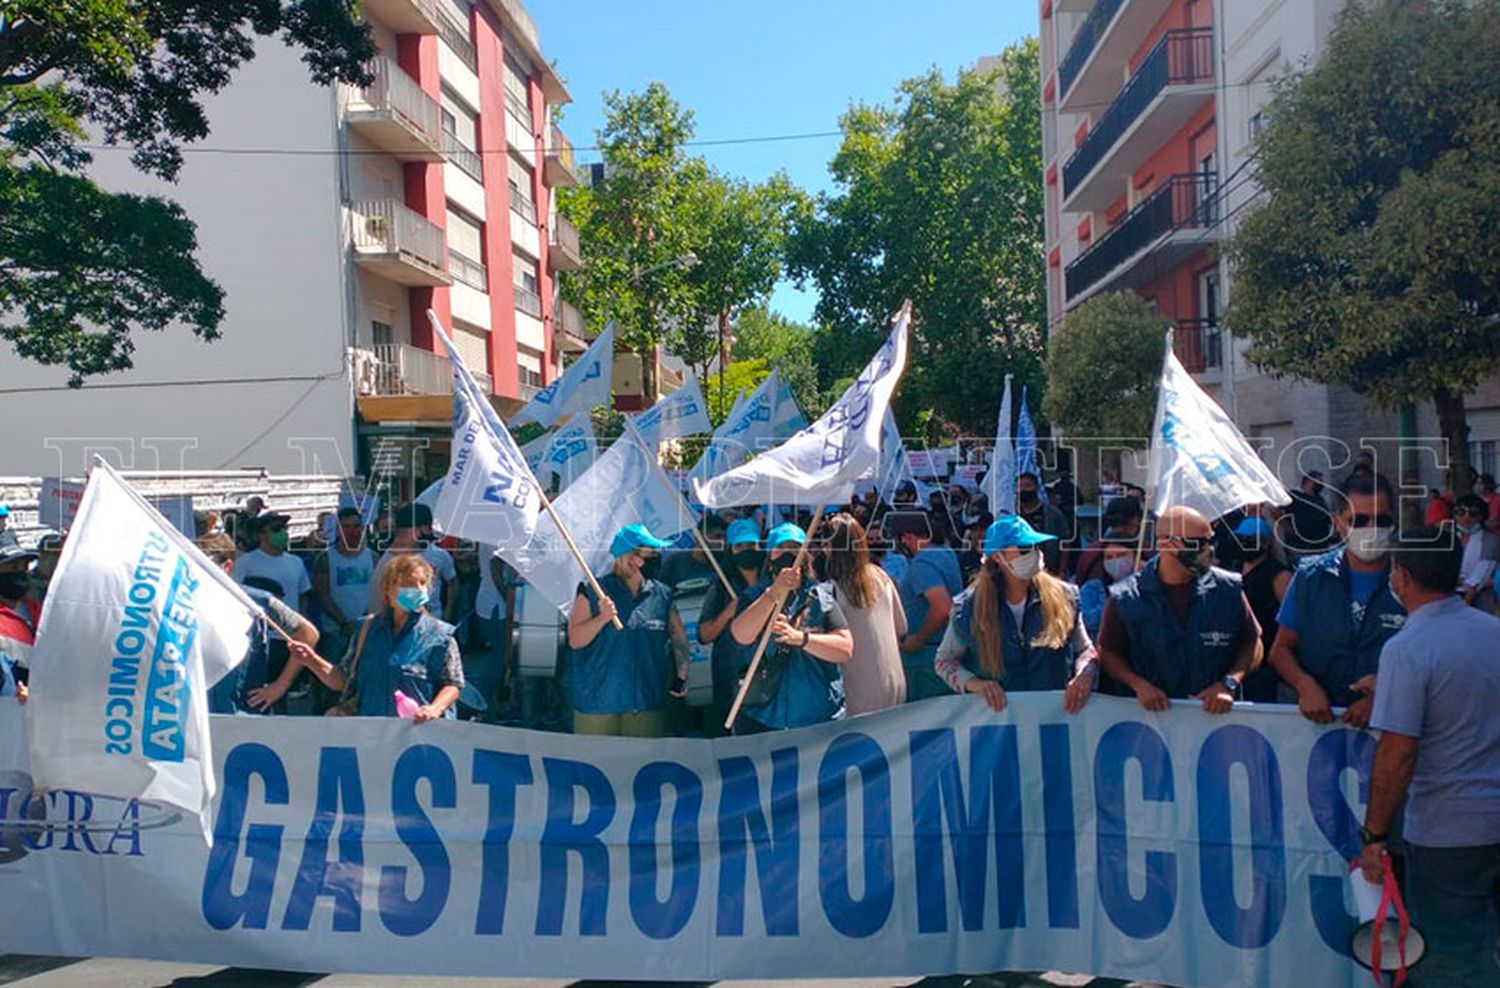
1211,344
461,136
465,248
380,333
529,364
1257,123
528,299
517,88
520,190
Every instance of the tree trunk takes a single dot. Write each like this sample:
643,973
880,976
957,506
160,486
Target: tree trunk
1453,425
649,387
723,355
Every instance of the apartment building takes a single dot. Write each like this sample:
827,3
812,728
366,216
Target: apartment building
1150,113
334,218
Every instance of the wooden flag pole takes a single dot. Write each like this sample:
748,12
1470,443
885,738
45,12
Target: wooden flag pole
709,552
568,538
765,635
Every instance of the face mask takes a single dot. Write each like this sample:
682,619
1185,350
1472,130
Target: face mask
1025,566
14,585
1196,561
781,562
1119,567
1028,497
1369,544
650,566
1391,585
279,540
1468,529
748,558
412,598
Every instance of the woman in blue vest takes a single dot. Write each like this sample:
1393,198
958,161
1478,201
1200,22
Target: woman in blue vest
401,648
620,675
810,639
1017,627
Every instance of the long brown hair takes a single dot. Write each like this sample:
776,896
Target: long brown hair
1058,615
849,565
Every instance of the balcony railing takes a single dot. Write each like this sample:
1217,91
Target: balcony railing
1181,202
393,91
386,227
528,301
456,37
467,270
1084,41
405,16
521,204
517,105
1178,58
1199,344
388,369
570,321
564,252
562,168
465,157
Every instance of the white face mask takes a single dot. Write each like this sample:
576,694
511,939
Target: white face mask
1119,567
1025,566
1369,544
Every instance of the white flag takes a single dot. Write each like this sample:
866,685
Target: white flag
821,464
683,413
1000,480
534,451
570,452
138,625
582,386
787,420
748,425
1198,458
623,487
489,494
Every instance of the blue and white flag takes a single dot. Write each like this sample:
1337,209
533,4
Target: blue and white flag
683,413
534,451
1198,458
570,451
748,427
822,463
138,625
623,487
1026,459
489,494
1000,481
787,419
582,386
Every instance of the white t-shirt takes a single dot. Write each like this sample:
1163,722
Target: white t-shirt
284,568
488,602
443,570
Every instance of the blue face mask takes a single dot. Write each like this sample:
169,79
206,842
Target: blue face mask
412,598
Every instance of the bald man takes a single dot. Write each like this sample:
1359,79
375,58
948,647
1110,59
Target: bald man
1181,628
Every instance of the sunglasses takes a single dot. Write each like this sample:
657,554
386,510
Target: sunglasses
1195,544
1381,520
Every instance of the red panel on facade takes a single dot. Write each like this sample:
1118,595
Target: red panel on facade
1181,153
1086,229
1046,9
1049,91
1080,134
1114,211
422,184
498,258
1052,173
1180,14
1054,259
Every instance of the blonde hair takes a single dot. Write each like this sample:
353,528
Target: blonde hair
1058,615
401,568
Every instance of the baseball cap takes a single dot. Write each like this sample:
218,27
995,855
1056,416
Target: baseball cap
742,532
1253,528
633,537
786,532
1012,530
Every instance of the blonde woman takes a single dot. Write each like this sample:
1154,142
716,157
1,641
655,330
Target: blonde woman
401,647
1017,627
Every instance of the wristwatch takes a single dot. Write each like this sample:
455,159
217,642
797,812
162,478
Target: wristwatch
1366,837
1233,686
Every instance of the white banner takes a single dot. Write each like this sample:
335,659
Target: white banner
570,452
937,837
821,463
583,385
748,425
1000,483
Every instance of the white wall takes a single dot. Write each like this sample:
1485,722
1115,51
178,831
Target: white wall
269,234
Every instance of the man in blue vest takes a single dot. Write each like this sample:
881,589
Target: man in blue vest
1181,628
1338,611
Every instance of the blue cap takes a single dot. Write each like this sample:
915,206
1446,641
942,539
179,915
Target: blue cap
633,537
4,511
1253,528
786,532
742,532
1012,530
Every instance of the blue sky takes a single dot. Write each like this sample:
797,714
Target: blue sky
758,68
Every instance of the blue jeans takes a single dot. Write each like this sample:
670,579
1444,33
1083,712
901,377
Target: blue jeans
1453,894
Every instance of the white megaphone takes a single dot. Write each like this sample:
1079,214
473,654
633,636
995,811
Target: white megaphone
1384,942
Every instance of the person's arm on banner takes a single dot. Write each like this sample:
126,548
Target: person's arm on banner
583,624
304,632
1312,700
1114,659
1216,697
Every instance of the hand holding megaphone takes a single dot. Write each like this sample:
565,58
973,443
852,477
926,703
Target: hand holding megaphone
1383,943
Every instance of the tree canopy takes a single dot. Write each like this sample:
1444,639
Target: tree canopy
1373,261
1103,367
939,199
776,341
81,268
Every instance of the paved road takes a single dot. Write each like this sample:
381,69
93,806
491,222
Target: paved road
97,972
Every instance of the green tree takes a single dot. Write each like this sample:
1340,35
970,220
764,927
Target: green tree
1373,261
939,200
634,225
763,335
1103,366
82,268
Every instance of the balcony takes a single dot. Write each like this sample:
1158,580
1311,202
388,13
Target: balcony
561,168
468,271
1199,344
389,370
396,243
528,301
571,335
1090,72
456,37
563,252
395,115
1172,83
519,108
405,16
1178,218
465,157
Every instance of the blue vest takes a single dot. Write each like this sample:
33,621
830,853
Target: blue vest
1181,659
232,693
1027,668
625,671
1331,647
412,660
811,691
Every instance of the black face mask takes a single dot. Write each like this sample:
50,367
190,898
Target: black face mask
748,558
650,566
1028,497
13,586
781,562
1196,557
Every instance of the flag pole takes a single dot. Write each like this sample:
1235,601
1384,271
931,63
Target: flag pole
546,502
765,635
